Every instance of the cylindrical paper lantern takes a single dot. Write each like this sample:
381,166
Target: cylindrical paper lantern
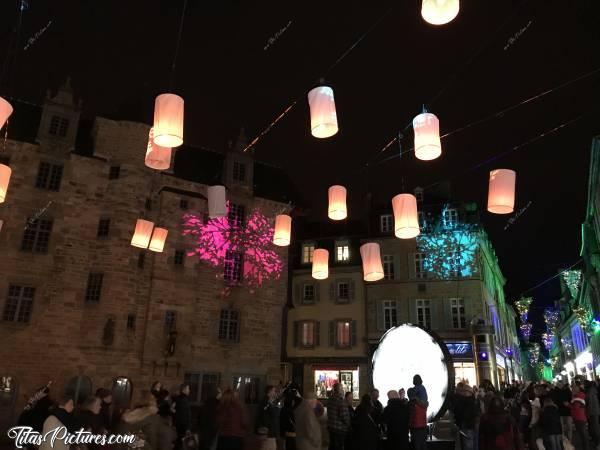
5,172
501,194
283,230
159,237
406,218
6,110
320,265
337,203
371,259
427,136
142,234
323,119
168,120
157,157
439,12
217,204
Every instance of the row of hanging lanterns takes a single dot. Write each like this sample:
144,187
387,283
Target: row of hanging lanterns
147,236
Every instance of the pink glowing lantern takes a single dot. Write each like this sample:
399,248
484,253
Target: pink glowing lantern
427,136
371,259
337,203
406,218
159,237
283,230
320,264
6,110
5,173
217,203
501,194
323,118
168,120
142,234
157,157
439,12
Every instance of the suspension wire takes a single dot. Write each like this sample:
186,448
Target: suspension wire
177,44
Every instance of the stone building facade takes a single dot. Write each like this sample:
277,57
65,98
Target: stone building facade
82,307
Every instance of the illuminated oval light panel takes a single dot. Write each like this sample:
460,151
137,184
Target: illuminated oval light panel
157,157
405,351
406,217
371,259
168,120
427,136
501,194
320,265
323,118
217,203
5,173
6,110
142,234
283,230
439,12
337,203
159,237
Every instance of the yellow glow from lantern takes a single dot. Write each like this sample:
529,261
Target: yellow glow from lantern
283,230
168,120
5,173
427,136
439,12
142,234
371,259
159,237
320,265
501,193
6,110
337,203
406,218
323,118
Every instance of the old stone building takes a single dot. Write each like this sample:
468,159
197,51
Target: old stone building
82,307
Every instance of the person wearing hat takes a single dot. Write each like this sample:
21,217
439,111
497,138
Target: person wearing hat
466,414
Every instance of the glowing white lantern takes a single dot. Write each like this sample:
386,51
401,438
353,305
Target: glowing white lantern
439,12
371,259
320,265
427,136
406,217
323,118
142,234
159,237
501,194
217,204
421,355
337,203
283,230
5,172
6,110
168,120
157,157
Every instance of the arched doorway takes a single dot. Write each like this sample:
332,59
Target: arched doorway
80,388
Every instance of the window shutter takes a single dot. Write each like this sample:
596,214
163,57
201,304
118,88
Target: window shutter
351,289
332,293
468,312
353,333
447,308
317,333
396,272
411,266
296,333
398,318
380,324
331,333
298,292
317,289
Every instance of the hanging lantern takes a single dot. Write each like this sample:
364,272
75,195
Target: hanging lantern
323,119
439,12
501,194
6,110
168,120
283,230
406,218
142,234
157,157
159,237
5,172
217,205
337,203
427,136
371,259
320,265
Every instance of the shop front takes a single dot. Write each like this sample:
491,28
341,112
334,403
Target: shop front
464,365
326,376
584,364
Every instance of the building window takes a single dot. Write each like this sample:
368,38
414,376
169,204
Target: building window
459,319
80,388
103,227
233,267
19,304
307,253
419,194
386,223
307,334
36,236
455,265
308,294
170,321
343,292
202,386
239,171
419,261
114,172
236,215
183,204
342,251
390,314
229,326
141,260
388,267
121,392
422,221
130,322
343,334
49,176
148,204
58,126
248,387
94,287
179,257
450,218
424,313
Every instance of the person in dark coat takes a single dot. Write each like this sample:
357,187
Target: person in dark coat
561,395
207,420
592,407
156,388
550,425
466,412
183,413
377,406
365,429
287,422
352,413
106,408
267,422
396,417
498,430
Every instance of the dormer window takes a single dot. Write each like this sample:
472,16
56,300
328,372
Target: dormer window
58,126
239,171
419,194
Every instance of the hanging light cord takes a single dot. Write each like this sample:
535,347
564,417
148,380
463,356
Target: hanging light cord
547,280
177,44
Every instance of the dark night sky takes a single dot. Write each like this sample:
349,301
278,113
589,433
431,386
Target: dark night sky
119,55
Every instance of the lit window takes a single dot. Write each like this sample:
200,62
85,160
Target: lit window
307,334
307,253
308,294
19,304
424,313
457,306
343,334
390,314
342,251
229,326
450,218
239,171
419,261
386,223
388,267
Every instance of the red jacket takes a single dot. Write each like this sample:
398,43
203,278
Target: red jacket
231,420
578,407
418,415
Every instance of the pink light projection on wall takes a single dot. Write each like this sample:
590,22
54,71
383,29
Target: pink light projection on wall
215,240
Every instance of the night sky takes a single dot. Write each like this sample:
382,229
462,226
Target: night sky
494,55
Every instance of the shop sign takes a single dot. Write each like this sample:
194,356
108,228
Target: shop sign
460,349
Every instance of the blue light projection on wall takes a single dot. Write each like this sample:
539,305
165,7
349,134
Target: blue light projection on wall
450,253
